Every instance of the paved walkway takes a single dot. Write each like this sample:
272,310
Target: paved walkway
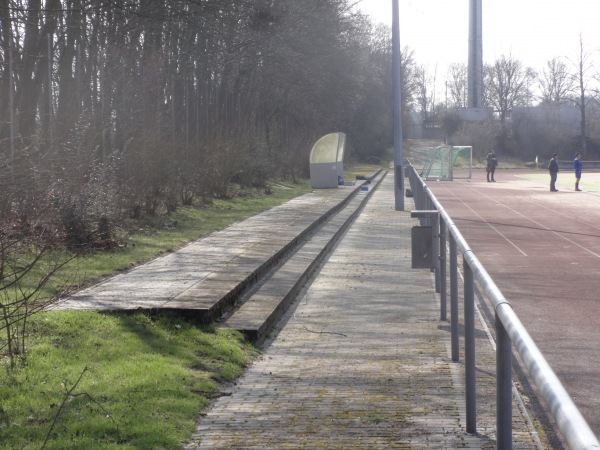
361,360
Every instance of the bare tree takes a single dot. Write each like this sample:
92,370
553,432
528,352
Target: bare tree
26,268
584,68
371,131
426,92
507,84
555,82
457,85
171,99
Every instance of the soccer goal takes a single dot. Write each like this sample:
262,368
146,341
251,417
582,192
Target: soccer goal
448,162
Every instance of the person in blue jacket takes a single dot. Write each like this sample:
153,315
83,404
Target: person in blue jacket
553,169
577,167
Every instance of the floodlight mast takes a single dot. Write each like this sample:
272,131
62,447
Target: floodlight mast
475,69
397,83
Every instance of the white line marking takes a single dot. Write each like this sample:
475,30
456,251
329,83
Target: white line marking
539,224
489,224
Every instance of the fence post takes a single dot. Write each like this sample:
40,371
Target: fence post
435,245
442,267
454,299
418,194
470,388
503,386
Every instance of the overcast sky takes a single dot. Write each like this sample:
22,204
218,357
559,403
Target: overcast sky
533,31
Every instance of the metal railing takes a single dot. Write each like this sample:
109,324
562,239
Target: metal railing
509,331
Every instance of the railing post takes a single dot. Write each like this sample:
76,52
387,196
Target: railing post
454,299
429,204
470,388
435,247
442,267
418,194
503,387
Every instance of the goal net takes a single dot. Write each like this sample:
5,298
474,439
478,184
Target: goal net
448,162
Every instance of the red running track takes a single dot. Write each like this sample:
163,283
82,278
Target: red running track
542,249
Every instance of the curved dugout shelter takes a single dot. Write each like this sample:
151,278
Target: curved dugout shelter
327,161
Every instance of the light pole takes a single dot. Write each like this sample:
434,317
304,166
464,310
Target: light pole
396,82
475,73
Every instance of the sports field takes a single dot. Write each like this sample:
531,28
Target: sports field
590,181
542,249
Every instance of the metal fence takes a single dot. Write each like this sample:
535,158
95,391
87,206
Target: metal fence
447,243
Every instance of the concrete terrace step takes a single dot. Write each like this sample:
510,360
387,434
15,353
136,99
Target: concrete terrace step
258,314
207,276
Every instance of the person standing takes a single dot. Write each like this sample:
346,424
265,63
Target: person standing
577,167
490,169
553,169
493,165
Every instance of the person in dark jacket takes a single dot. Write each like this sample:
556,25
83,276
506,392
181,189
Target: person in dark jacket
577,167
553,169
490,169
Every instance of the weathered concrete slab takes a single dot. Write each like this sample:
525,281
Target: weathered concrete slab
219,264
257,315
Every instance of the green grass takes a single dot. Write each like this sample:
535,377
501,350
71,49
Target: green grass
144,379
590,181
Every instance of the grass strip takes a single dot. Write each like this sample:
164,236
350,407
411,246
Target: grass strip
99,380
143,381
